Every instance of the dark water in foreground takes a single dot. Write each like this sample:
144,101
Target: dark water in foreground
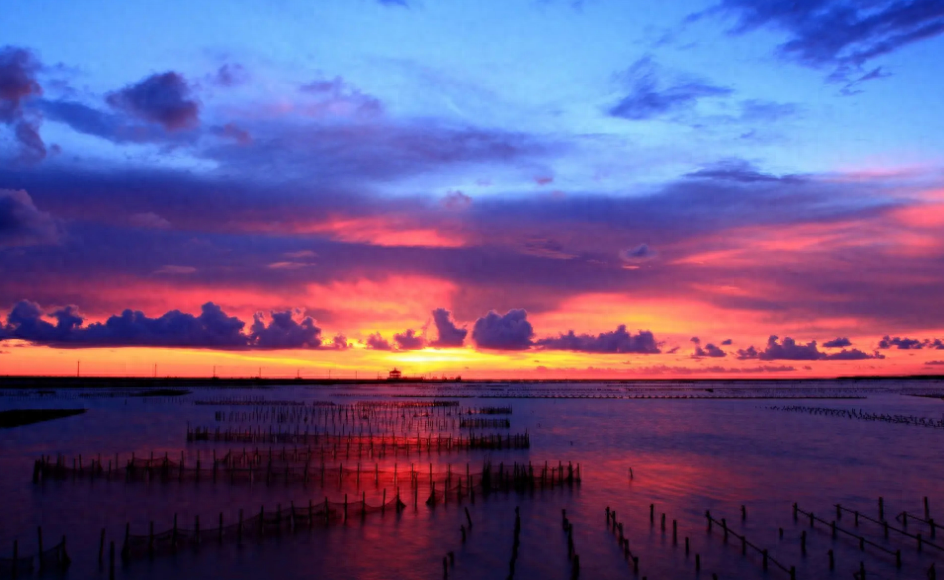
687,456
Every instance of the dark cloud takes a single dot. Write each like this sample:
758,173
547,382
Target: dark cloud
760,111
901,343
617,341
161,98
149,220
338,94
739,171
119,127
230,75
709,351
838,342
284,332
377,342
789,349
852,354
650,97
456,200
677,370
934,363
232,131
638,254
727,342
22,223
409,340
211,329
18,84
840,34
339,342
509,331
448,334
255,222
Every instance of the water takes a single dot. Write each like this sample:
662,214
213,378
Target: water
687,456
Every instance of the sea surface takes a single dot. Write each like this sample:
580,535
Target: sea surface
682,448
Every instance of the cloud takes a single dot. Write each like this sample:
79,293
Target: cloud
509,331
934,363
901,343
727,342
235,133
18,84
638,254
409,340
175,270
212,328
161,98
838,342
739,171
840,34
339,342
789,349
650,97
338,97
617,341
149,220
456,200
377,342
230,75
679,370
760,111
448,334
284,332
22,223
710,351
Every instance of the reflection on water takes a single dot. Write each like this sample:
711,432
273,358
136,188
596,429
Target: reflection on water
699,450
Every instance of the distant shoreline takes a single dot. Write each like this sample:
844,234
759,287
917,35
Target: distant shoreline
60,382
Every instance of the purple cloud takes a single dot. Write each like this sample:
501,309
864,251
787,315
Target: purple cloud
650,97
837,33
22,223
617,341
901,343
377,342
638,254
161,98
230,75
838,342
448,334
789,349
709,351
284,332
509,331
18,84
212,328
409,340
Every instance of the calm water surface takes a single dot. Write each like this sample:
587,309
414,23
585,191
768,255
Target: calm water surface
687,456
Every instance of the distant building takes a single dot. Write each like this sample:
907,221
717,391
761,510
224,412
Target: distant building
395,375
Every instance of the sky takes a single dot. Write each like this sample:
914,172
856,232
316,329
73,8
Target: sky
508,189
